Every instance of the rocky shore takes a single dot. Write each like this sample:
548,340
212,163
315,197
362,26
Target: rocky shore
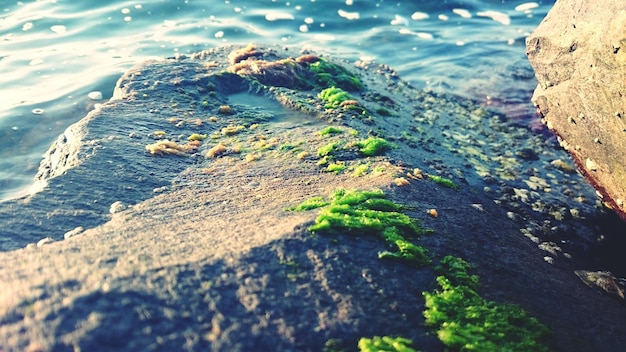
578,56
165,220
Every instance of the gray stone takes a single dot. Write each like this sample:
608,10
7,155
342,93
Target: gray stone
578,53
214,262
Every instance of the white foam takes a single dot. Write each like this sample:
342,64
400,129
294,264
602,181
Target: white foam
278,16
527,6
399,20
496,16
58,29
417,16
462,12
349,15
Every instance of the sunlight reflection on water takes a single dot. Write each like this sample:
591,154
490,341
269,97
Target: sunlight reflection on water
56,52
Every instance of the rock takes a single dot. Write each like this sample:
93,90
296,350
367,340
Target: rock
117,207
578,53
213,261
74,232
44,241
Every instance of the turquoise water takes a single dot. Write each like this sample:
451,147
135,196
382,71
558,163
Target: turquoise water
60,57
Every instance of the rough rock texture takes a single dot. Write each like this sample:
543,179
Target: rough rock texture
205,257
578,53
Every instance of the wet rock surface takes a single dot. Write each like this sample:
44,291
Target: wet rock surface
578,54
174,196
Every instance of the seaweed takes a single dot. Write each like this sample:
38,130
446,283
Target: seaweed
330,130
466,321
327,74
385,343
328,149
334,96
370,213
443,181
311,203
374,146
337,167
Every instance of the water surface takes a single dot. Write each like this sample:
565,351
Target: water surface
60,57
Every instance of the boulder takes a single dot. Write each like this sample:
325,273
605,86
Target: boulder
168,215
578,53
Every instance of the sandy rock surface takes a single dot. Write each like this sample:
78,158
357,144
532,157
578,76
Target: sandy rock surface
578,53
201,253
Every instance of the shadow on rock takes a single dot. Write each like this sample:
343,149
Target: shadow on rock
293,294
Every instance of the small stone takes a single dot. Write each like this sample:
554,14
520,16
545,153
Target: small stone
74,232
44,241
117,207
160,189
590,165
563,166
513,216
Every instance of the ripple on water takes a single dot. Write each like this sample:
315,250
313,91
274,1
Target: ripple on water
53,51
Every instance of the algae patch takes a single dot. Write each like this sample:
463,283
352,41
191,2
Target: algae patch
385,343
328,74
334,97
442,181
370,213
374,146
466,321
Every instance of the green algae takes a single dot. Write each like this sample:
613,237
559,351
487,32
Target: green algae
311,203
360,170
442,181
327,74
333,97
330,130
374,146
337,167
328,149
370,213
385,343
466,321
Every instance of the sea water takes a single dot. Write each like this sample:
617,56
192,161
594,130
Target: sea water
58,58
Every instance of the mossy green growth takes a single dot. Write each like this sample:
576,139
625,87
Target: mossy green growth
374,146
456,270
465,321
328,74
369,213
311,203
337,167
330,130
328,149
385,343
333,97
360,170
443,181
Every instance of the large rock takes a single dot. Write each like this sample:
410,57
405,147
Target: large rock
205,256
579,56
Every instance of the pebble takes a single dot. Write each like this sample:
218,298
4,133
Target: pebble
44,241
117,207
513,216
160,189
95,95
74,232
590,164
